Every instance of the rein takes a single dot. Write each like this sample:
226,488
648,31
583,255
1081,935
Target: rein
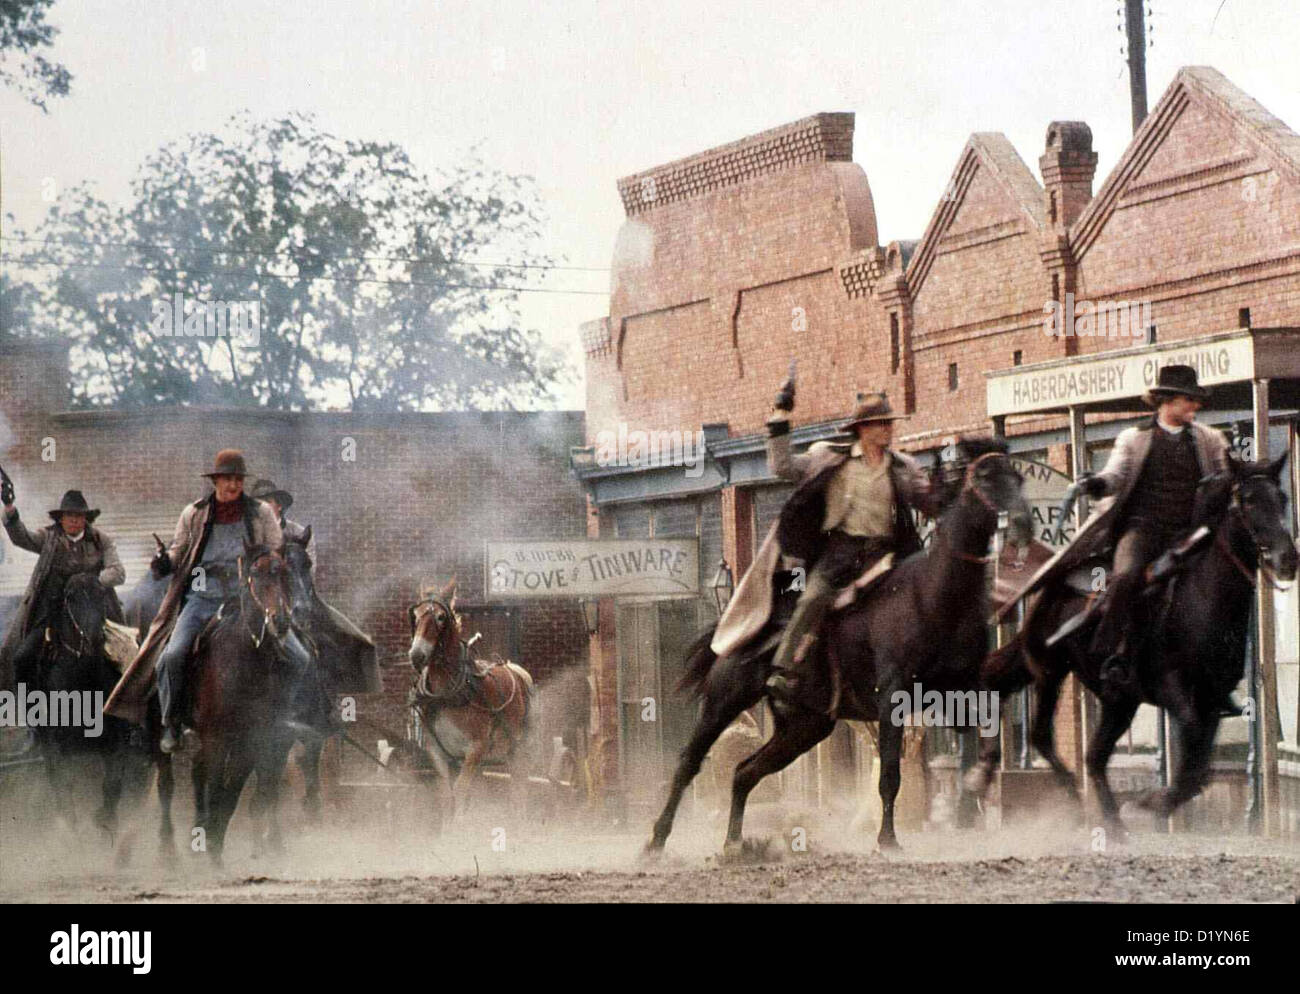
970,486
259,637
1247,574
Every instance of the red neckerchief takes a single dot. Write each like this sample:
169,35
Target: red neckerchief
228,512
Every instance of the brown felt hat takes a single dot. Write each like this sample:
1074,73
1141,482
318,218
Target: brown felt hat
873,407
229,462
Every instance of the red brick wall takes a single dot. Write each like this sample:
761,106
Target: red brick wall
424,493
1199,218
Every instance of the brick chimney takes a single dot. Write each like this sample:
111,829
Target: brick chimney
1068,164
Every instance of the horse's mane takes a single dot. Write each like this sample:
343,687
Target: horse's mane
977,445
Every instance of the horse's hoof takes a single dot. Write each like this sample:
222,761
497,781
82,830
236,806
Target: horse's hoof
889,847
745,852
651,852
976,781
1116,833
1155,800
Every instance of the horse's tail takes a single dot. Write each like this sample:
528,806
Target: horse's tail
700,658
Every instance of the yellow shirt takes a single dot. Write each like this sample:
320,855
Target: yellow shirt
860,497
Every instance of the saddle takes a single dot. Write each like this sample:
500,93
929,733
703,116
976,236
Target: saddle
1159,577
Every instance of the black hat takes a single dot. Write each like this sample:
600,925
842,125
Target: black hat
266,490
74,502
1175,381
873,407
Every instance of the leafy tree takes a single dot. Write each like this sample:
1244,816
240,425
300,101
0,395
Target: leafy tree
23,32
377,288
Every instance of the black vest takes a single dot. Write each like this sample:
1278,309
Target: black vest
1165,492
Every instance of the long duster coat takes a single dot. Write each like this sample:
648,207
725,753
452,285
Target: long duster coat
798,531
1121,474
129,699
111,574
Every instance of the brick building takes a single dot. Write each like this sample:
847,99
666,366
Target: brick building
395,500
734,260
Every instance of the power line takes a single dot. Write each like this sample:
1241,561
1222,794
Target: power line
415,260
291,277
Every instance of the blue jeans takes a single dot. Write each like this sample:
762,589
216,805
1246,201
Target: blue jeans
174,659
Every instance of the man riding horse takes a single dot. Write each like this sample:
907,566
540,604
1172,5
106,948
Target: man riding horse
852,506
280,502
203,562
70,546
354,656
1149,486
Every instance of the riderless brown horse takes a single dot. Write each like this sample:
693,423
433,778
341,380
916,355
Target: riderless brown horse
925,622
473,712
1191,651
243,690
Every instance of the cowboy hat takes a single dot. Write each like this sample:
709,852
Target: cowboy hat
873,407
1175,381
73,502
264,489
229,462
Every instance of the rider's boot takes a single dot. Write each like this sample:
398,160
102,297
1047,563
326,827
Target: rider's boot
1119,678
1229,707
788,685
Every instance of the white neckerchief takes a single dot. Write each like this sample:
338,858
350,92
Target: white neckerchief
1173,431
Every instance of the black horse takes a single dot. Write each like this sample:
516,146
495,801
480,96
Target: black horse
1193,650
75,676
924,623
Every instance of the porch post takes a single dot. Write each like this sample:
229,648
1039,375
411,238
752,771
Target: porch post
1267,648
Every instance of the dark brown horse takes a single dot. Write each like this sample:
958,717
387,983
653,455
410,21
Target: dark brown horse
924,623
1190,655
244,686
75,670
473,713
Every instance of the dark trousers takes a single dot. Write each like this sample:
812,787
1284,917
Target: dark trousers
843,560
1140,542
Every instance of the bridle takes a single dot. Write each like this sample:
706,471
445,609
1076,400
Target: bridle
83,640
971,485
432,601
246,583
1249,575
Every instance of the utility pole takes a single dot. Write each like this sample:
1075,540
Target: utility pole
1137,60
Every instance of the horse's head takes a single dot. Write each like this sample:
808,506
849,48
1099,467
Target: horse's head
302,589
262,590
988,476
81,623
1257,496
434,625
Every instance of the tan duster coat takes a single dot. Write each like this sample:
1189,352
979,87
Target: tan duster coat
129,699
1121,475
751,606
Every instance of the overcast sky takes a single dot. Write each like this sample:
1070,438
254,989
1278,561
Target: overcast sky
578,93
